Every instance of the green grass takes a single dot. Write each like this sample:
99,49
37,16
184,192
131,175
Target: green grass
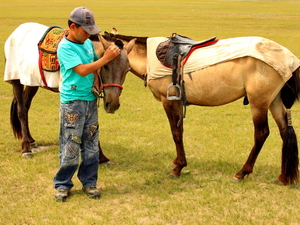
137,138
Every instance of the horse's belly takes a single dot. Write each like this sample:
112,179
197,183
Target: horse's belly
213,86
212,94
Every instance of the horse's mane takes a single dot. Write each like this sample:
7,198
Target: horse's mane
94,37
117,37
113,37
117,42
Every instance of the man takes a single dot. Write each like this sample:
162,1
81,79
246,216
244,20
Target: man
78,108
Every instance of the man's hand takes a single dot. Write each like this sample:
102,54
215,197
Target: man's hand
111,52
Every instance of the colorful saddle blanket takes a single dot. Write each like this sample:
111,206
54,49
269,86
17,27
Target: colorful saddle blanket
48,44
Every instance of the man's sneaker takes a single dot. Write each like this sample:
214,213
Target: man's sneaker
61,195
92,192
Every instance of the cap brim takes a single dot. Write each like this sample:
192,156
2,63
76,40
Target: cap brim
91,29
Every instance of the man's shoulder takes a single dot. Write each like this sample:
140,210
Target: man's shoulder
64,43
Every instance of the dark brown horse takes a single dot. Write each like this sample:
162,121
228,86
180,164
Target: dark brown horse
21,54
222,83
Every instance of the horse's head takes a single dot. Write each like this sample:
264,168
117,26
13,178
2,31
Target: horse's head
112,75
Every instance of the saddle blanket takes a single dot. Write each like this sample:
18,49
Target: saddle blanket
270,52
22,54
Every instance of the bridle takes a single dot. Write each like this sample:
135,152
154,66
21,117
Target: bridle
107,85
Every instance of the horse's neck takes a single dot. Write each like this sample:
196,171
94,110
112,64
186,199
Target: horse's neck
138,59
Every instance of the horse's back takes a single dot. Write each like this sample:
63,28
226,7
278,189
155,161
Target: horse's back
21,53
268,51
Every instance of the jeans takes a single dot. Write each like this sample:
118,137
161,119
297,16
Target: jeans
78,136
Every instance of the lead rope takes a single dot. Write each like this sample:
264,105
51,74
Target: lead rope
98,94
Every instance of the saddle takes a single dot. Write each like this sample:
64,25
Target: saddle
173,53
47,46
180,45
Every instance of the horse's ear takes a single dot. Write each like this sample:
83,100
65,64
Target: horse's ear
114,31
105,43
130,45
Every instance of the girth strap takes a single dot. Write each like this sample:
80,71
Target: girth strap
179,48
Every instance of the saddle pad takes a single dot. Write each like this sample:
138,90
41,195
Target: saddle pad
270,52
48,48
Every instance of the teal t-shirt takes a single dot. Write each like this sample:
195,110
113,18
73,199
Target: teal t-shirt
73,86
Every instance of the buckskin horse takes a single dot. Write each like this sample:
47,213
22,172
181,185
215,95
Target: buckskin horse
267,78
22,70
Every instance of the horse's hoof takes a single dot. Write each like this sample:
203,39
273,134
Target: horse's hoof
27,155
184,172
107,164
33,145
278,182
173,176
236,180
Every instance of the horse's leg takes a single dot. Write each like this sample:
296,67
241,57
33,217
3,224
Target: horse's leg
174,112
278,113
103,160
290,161
29,93
261,132
19,124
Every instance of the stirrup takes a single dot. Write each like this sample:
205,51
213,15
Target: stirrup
174,97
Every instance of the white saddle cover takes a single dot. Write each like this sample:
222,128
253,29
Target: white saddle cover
21,53
275,55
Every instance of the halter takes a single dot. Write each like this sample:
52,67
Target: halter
113,85
101,93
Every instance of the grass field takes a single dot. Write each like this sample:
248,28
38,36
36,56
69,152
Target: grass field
137,138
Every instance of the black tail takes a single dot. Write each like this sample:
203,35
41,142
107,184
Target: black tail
291,90
14,119
290,159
